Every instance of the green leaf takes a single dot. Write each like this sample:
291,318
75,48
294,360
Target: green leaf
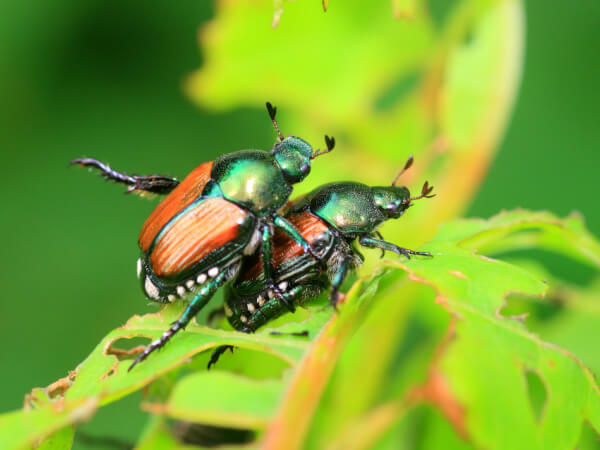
301,66
479,376
156,435
575,327
521,229
304,391
222,398
488,375
23,429
60,440
102,374
103,378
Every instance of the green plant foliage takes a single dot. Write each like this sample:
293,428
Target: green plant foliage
104,364
488,369
219,393
426,353
487,356
481,364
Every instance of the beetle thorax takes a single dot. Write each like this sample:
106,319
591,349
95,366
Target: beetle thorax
348,207
253,182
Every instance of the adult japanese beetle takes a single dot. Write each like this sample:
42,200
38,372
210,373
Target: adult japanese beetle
333,218
196,237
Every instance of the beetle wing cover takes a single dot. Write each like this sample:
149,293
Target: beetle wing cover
199,230
284,248
181,197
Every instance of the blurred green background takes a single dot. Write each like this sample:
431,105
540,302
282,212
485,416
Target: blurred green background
103,79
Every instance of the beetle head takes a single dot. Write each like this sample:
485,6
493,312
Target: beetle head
293,155
394,200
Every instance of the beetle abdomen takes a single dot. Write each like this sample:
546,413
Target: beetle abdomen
182,196
200,229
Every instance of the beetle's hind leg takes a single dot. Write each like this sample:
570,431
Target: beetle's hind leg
214,358
153,184
267,258
216,354
291,333
197,303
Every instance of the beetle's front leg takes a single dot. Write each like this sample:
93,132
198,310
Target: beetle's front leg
267,258
370,242
293,233
379,235
154,184
197,303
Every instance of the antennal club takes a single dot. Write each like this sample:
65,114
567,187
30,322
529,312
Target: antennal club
272,111
425,193
330,142
407,166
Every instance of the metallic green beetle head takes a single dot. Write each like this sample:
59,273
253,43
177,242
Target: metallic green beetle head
393,200
293,155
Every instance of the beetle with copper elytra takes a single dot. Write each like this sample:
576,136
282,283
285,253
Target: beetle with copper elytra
333,218
195,239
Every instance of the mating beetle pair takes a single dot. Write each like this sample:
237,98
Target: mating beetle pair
196,237
224,211
332,218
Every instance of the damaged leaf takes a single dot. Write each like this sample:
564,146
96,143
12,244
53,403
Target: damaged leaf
482,374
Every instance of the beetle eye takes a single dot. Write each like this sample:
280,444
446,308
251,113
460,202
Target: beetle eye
305,168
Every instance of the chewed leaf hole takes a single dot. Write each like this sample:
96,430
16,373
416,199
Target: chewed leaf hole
127,348
535,309
537,393
517,307
110,373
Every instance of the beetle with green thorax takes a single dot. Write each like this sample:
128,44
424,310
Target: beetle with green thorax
334,219
224,210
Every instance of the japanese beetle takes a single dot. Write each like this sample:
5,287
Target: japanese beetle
223,210
333,218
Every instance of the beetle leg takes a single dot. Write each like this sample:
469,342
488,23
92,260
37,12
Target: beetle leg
222,349
292,333
217,354
267,257
197,303
379,235
154,184
293,233
370,242
338,278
